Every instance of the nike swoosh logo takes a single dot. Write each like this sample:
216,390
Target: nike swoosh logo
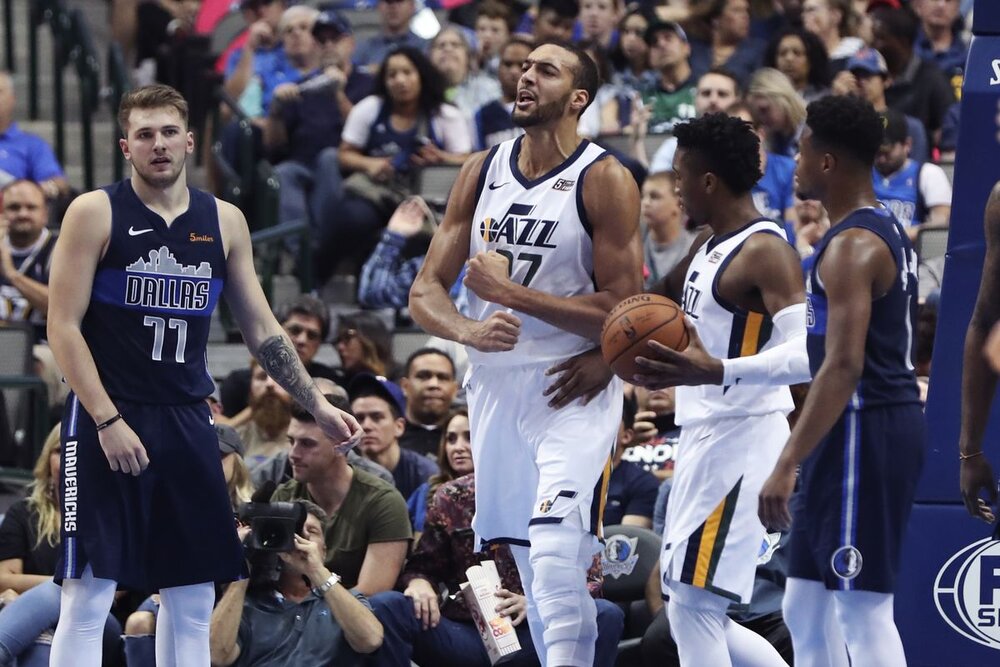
136,232
211,420
494,186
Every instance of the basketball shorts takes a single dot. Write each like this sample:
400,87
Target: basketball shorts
856,492
713,536
535,464
170,526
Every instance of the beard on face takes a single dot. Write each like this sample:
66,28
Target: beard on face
271,413
543,113
430,412
160,180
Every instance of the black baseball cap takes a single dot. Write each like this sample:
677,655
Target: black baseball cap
378,385
229,440
331,20
661,26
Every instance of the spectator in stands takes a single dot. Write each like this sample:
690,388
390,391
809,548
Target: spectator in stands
394,33
454,459
717,90
379,406
306,320
364,345
554,21
261,63
665,239
333,624
263,424
388,273
917,87
161,27
29,552
866,75
671,99
610,105
810,225
429,385
727,42
801,56
835,23
778,109
419,627
599,22
368,533
939,39
631,490
453,56
493,122
774,193
24,155
630,58
493,30
918,193
406,124
303,127
140,626
25,253
656,434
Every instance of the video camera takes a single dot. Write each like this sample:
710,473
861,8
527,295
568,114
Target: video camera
273,526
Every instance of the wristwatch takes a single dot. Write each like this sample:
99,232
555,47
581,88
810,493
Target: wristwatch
321,590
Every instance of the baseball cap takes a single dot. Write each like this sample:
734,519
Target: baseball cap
329,19
229,440
867,60
366,383
659,26
896,131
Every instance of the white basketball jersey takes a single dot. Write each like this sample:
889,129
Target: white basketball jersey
541,227
727,331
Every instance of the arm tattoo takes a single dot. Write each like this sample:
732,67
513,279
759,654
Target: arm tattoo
280,361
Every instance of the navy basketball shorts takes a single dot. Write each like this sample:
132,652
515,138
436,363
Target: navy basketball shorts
856,492
170,526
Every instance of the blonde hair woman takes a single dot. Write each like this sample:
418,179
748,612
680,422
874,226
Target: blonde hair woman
778,109
29,552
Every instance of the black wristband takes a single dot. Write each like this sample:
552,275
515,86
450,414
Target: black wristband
103,425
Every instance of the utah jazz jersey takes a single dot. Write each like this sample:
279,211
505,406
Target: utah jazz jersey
900,193
727,332
888,377
541,227
154,292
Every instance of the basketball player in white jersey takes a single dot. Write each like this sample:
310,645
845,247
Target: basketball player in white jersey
548,226
744,298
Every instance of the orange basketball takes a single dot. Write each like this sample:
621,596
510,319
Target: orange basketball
635,321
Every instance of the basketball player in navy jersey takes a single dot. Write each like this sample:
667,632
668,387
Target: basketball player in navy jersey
136,272
547,225
745,305
860,438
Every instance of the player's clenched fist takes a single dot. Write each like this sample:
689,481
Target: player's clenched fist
488,275
497,333
123,449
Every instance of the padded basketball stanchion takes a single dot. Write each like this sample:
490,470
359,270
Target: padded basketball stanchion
948,593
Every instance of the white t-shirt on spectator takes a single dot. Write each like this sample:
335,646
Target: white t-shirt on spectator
934,185
450,126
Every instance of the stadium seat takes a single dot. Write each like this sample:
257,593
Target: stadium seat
629,557
434,183
931,242
22,420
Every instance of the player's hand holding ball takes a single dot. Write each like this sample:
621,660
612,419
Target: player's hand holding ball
123,449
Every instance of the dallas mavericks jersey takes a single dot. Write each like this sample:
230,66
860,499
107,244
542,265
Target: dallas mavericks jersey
32,262
888,377
900,193
541,227
727,332
154,292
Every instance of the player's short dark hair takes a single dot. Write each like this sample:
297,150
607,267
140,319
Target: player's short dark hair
156,96
629,407
307,306
896,129
902,23
585,73
728,147
567,9
299,413
846,125
423,352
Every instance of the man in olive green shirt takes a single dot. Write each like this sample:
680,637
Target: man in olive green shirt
369,532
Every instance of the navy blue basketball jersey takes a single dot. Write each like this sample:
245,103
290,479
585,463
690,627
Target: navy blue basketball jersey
888,377
154,292
494,125
900,193
33,262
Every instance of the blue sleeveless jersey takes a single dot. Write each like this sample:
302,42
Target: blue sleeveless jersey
900,193
153,295
888,377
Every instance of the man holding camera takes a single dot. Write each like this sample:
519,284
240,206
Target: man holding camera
306,617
